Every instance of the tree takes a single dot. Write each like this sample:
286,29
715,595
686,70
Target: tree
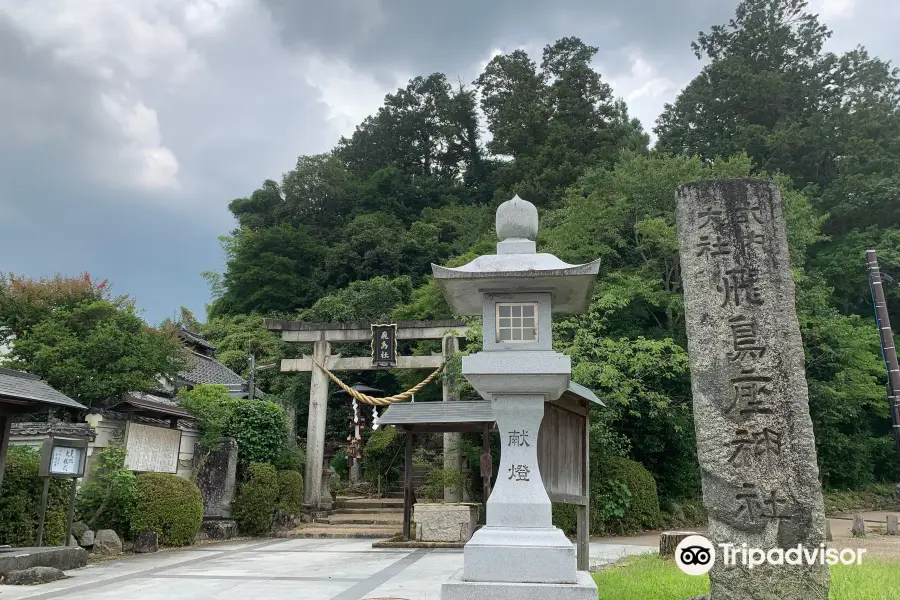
95,351
554,122
763,93
25,302
271,269
771,91
426,129
630,348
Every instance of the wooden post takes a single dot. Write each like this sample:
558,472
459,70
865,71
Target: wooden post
72,493
893,525
669,540
583,512
883,320
452,459
40,542
407,486
5,425
487,464
859,526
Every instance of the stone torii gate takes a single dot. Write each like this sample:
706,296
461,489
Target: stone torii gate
316,494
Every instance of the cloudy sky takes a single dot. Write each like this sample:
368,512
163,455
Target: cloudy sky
128,125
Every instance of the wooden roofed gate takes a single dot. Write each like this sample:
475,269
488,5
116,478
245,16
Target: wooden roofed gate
317,497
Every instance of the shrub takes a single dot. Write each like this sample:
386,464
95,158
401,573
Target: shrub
290,491
341,464
212,407
20,501
292,458
107,499
382,457
565,516
169,505
254,508
260,429
623,496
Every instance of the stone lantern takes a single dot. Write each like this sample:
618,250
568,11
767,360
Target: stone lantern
516,291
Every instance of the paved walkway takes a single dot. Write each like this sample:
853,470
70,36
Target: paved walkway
299,569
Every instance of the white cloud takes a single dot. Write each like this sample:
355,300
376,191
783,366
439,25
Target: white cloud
832,10
643,88
133,51
148,163
350,96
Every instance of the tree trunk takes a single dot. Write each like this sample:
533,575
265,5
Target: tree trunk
669,540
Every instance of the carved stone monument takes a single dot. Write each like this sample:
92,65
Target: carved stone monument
217,480
751,414
519,553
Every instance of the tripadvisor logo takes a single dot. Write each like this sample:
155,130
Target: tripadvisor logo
696,555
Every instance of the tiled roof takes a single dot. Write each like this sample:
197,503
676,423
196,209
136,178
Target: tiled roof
194,338
120,416
205,369
155,406
82,430
17,385
433,413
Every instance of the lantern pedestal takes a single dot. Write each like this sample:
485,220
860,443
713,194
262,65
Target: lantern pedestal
457,589
519,542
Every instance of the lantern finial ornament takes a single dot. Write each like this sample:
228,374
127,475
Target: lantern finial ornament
517,226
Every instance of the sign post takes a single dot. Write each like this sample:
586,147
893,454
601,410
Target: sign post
384,345
61,457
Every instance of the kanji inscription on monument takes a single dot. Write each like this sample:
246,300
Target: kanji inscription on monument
751,414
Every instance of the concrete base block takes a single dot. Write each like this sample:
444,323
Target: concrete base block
63,558
219,529
445,522
535,555
456,589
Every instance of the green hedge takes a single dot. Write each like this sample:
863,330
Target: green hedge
290,491
20,501
260,429
623,496
254,507
382,456
169,505
565,516
623,499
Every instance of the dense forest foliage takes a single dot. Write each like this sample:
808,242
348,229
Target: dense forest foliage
351,234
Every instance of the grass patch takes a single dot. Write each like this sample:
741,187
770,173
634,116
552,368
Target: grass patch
649,577
873,497
872,580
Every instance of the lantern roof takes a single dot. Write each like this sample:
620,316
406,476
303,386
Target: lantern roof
517,268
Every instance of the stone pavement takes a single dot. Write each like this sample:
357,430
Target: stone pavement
273,569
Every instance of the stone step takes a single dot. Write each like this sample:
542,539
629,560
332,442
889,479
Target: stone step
350,503
370,524
333,531
365,511
364,519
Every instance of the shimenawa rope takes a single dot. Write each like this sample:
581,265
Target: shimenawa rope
380,401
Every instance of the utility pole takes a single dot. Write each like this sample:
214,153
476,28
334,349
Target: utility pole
888,349
251,383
